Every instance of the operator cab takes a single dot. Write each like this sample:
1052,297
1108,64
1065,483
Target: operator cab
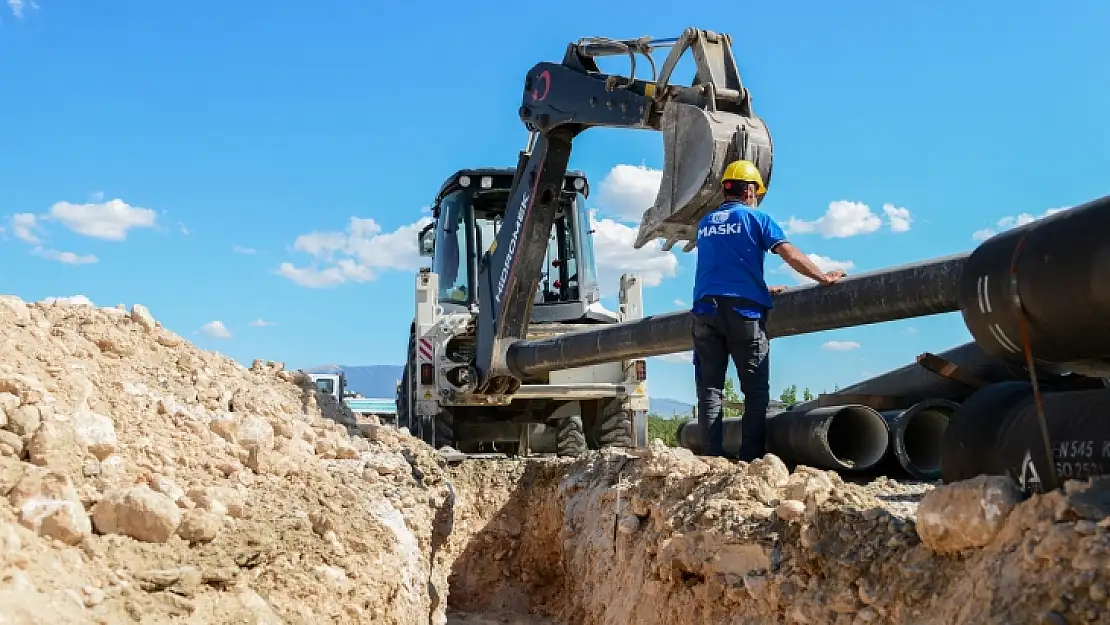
469,210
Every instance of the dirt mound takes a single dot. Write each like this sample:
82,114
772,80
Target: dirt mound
146,480
667,538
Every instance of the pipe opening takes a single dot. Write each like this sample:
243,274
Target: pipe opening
922,439
857,436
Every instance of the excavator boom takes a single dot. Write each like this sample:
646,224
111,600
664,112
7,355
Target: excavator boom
705,126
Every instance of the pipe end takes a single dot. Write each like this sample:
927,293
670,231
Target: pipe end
857,437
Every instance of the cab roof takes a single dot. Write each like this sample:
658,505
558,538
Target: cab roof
503,177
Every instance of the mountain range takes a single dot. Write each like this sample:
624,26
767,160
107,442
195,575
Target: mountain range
380,381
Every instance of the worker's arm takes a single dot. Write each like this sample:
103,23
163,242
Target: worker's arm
774,240
803,265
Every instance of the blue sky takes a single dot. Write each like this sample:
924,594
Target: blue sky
171,154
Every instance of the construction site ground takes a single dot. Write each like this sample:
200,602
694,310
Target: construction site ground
148,481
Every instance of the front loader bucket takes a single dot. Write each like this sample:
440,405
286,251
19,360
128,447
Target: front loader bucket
697,146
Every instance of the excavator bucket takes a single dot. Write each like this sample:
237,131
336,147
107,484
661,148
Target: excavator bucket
698,145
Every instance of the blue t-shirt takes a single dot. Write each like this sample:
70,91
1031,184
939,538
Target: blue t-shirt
732,244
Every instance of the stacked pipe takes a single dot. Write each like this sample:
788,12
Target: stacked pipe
922,401
852,438
915,427
995,432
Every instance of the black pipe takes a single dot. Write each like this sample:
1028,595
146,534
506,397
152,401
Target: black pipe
913,290
1060,280
844,438
689,436
917,436
837,437
913,383
995,432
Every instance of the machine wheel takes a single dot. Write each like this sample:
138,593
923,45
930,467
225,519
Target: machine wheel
570,437
427,430
614,427
405,408
445,429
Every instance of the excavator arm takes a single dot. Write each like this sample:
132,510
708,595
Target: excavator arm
705,126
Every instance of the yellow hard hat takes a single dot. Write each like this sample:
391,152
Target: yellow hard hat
745,171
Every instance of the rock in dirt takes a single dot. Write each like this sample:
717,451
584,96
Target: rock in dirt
966,514
138,512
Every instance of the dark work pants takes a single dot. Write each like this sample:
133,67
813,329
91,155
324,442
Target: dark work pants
721,333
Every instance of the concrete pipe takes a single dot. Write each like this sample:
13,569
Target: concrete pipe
916,436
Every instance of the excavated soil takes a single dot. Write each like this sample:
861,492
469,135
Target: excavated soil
144,480
667,538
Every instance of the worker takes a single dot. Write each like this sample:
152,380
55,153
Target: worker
731,301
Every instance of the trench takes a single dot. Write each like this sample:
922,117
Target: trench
665,539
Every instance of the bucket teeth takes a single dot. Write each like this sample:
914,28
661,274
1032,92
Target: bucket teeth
697,146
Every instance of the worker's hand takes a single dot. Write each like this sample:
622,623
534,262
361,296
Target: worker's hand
832,276
775,290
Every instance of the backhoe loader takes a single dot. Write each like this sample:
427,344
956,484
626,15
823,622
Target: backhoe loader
500,234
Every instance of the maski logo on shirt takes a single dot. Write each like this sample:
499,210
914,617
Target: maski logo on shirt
713,229
719,217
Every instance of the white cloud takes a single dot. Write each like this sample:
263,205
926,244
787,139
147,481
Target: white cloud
615,255
183,228
260,323
216,329
79,300
824,263
355,254
1012,221
23,227
18,6
840,346
842,219
628,190
848,219
982,235
68,258
239,249
679,303
899,218
106,220
682,358
910,331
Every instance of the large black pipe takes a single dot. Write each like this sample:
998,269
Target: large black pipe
996,432
914,290
1055,271
913,383
842,438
